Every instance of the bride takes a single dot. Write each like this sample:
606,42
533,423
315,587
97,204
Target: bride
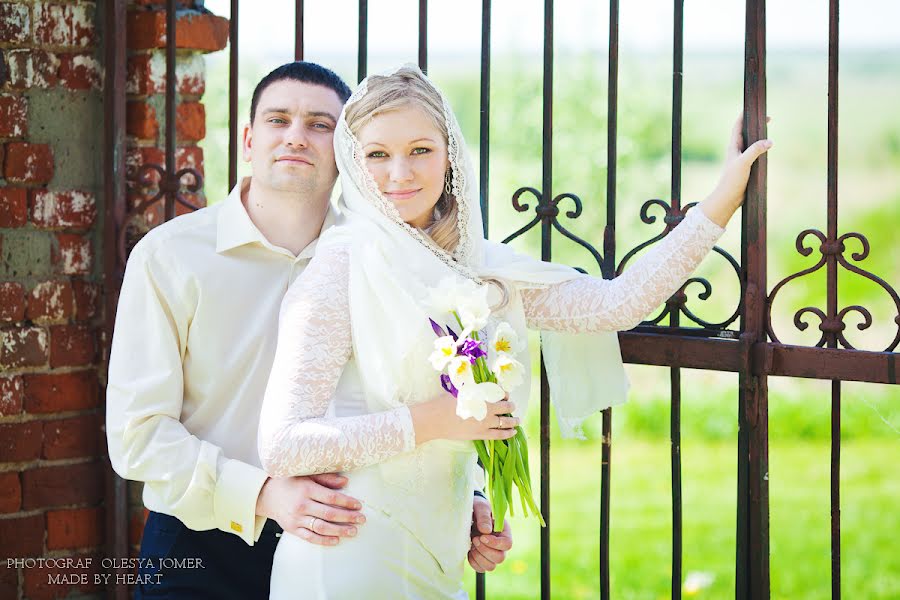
351,388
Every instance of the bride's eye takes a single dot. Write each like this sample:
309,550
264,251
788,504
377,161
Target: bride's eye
376,154
421,150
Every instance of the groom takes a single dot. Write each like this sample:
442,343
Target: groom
192,349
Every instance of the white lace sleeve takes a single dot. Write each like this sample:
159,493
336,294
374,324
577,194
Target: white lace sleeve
314,344
590,304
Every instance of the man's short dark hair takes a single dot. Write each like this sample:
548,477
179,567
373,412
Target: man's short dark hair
304,72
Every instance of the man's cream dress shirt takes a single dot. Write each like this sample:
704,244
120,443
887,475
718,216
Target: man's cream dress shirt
192,348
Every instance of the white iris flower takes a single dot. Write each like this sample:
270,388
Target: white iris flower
509,371
444,351
506,340
473,398
460,371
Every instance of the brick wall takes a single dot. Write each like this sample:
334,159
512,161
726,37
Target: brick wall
52,445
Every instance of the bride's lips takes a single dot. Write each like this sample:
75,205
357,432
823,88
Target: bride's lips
402,194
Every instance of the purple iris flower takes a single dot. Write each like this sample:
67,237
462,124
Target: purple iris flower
472,349
447,385
437,328
452,333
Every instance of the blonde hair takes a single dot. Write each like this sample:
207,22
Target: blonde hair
408,88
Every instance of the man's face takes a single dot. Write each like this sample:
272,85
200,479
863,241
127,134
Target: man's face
289,143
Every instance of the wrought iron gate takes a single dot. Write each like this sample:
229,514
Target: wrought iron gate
753,349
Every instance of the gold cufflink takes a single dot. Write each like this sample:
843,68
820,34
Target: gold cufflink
237,527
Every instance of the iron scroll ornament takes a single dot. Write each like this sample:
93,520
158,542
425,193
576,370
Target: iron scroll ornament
164,185
832,326
550,211
678,301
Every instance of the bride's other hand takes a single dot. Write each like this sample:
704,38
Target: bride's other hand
311,507
437,420
488,548
728,194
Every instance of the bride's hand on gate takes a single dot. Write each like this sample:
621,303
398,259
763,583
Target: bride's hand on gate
437,419
728,194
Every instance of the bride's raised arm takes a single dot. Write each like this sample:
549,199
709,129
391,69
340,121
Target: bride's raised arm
590,304
314,344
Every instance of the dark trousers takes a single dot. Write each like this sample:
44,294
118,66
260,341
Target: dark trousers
183,564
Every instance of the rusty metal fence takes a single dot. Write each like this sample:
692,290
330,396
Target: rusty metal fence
676,337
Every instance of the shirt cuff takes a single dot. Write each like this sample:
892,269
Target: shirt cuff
234,503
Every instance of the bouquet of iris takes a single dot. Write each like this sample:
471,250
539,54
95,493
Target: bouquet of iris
462,359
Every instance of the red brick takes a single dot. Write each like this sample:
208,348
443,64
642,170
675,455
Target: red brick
13,207
72,254
32,69
140,121
50,301
29,163
193,31
80,72
77,437
63,210
22,537
10,492
57,392
23,347
12,395
87,299
64,24
12,302
76,528
47,487
39,584
20,441
147,74
15,22
190,122
13,116
72,346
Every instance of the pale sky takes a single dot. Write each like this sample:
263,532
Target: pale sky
266,28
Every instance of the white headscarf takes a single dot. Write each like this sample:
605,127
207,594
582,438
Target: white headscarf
393,266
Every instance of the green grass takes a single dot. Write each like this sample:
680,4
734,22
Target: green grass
641,532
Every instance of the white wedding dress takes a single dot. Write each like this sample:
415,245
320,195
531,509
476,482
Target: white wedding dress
417,500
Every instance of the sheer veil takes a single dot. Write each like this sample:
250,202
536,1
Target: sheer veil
393,266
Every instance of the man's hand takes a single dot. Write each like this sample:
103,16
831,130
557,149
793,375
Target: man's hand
488,548
310,508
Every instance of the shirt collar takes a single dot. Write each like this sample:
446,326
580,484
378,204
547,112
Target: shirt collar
234,227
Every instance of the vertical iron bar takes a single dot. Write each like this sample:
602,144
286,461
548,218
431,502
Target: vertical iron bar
423,35
674,315
170,182
752,569
363,40
298,30
546,197
609,269
114,197
832,300
233,96
485,125
484,140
